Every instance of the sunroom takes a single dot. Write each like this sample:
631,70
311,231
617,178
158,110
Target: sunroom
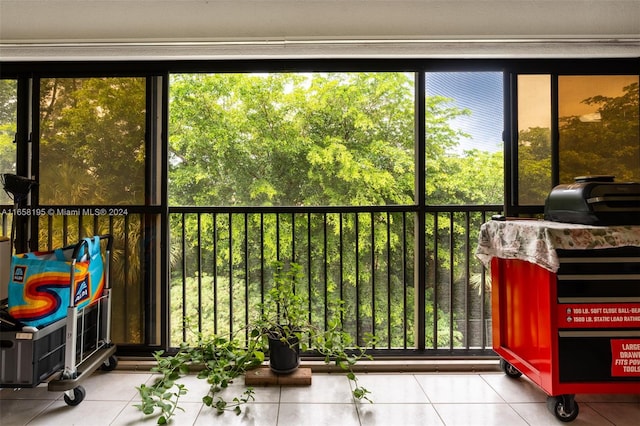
370,163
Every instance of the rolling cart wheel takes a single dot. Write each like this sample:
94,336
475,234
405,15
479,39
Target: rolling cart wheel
110,364
564,407
78,396
509,369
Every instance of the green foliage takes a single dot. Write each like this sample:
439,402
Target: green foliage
534,162
92,152
609,146
92,141
223,359
8,123
309,140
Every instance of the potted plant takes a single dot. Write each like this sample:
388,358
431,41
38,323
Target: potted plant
283,319
282,330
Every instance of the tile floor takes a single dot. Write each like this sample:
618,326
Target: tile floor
468,399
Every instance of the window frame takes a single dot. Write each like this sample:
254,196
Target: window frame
157,75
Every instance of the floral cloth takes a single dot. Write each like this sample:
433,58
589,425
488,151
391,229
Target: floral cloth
536,241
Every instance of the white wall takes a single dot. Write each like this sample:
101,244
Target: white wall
35,29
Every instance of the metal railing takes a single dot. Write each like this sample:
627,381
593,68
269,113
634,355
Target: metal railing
220,266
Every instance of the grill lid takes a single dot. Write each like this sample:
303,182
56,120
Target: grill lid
594,200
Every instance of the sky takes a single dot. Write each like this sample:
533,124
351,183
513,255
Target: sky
534,96
480,92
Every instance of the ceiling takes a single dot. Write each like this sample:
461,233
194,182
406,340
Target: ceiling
116,29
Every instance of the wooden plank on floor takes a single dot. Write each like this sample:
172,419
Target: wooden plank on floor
263,376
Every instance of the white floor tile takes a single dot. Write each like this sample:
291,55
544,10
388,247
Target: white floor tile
312,414
87,413
478,415
399,399
515,390
325,388
252,414
537,414
457,388
131,416
618,413
378,414
393,388
17,412
113,386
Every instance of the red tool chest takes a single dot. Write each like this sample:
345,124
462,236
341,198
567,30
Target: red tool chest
575,329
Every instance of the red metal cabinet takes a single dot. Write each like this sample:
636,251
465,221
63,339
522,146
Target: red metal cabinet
573,331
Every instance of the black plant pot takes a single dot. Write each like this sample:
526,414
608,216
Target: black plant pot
284,356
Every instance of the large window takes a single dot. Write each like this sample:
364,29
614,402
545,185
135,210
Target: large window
291,139
464,126
534,138
223,167
92,153
597,130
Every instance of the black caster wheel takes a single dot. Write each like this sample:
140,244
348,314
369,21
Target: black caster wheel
110,364
78,396
509,369
564,407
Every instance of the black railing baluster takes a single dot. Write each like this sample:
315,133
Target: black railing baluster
126,276
404,280
309,267
199,269
215,273
357,273
184,277
325,264
231,316
466,281
246,272
372,272
451,279
436,272
262,288
389,276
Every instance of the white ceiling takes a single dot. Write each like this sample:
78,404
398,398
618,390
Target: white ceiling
115,29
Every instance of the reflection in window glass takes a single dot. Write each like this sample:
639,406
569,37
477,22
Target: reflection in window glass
464,148
598,127
291,139
92,141
92,152
534,138
8,127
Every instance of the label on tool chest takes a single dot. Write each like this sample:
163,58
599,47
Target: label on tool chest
625,357
599,315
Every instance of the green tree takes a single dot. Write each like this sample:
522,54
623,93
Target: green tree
92,141
92,152
309,139
608,146
534,165
8,122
